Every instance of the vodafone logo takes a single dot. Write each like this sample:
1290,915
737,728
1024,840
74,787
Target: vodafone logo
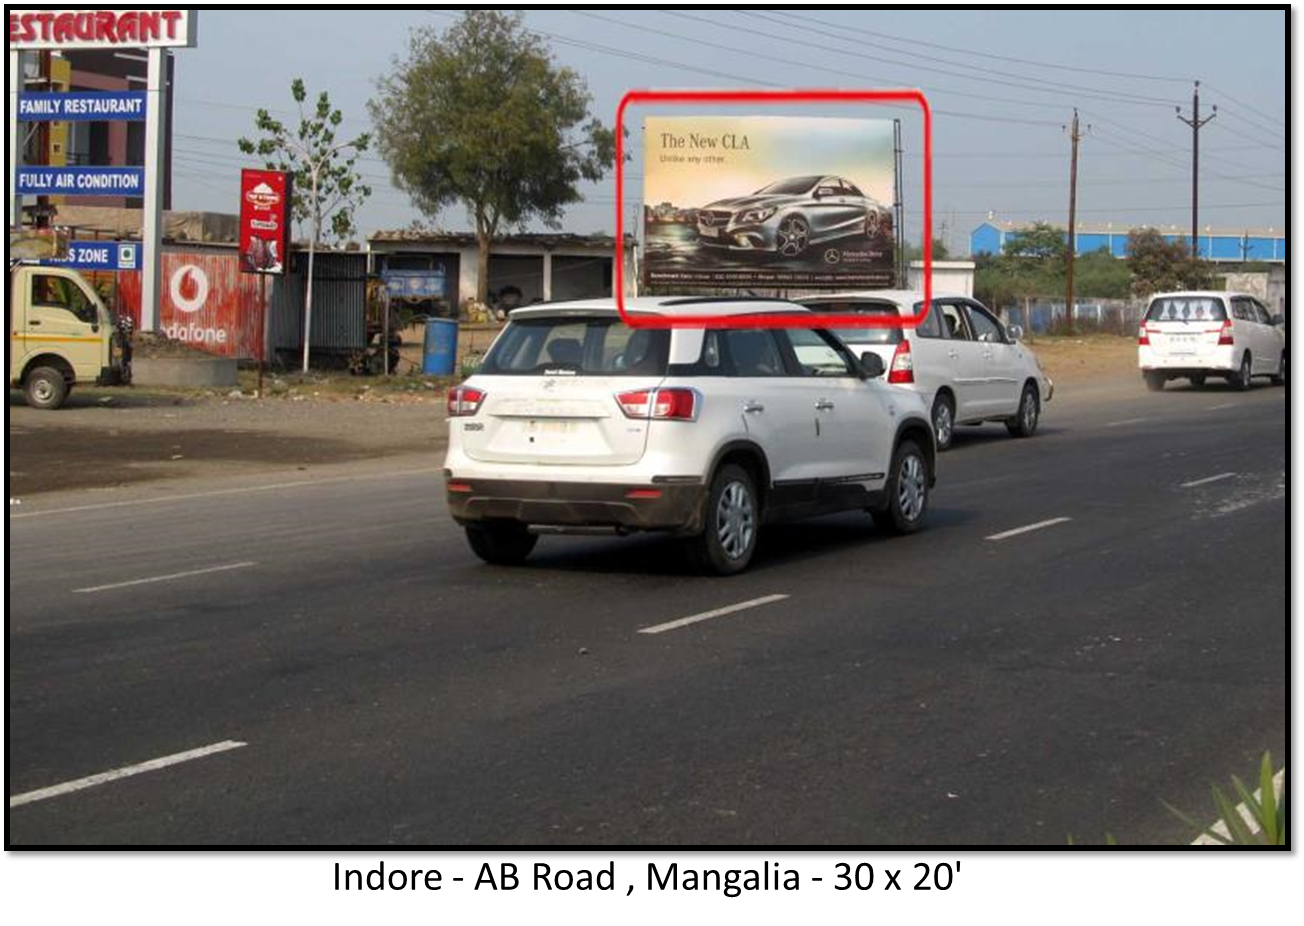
188,288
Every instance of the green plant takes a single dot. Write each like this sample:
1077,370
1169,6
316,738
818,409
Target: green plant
1267,811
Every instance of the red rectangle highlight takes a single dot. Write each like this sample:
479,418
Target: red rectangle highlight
777,319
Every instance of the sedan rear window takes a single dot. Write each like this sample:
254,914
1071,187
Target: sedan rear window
1187,309
578,346
861,335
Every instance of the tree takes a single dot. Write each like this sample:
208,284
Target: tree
327,187
482,115
1101,275
1158,265
916,251
1041,241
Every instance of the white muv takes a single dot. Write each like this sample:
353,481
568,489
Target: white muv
579,423
1194,335
967,366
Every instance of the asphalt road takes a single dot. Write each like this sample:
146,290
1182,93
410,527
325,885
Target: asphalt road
944,688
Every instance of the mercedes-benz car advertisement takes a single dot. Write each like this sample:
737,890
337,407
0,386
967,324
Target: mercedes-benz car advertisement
788,217
729,203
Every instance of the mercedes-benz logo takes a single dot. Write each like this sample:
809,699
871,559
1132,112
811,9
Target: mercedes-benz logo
832,256
705,218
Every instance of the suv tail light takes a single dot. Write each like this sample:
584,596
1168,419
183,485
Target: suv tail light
660,404
1143,337
1225,338
464,401
902,369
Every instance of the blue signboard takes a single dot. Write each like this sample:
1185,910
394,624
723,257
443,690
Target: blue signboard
416,284
126,105
81,181
100,255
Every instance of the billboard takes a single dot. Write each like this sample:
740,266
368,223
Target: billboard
265,197
104,29
768,202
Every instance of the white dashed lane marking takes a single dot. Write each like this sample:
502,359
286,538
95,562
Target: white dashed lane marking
167,578
1206,480
1014,532
708,615
126,771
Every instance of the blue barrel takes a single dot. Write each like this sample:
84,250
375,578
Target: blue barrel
439,356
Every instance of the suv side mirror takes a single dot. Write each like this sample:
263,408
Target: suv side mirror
1015,332
871,364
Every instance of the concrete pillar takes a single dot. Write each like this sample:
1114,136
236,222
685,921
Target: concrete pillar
547,276
16,80
151,283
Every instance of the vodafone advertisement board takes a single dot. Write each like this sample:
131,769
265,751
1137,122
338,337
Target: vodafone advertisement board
265,197
54,29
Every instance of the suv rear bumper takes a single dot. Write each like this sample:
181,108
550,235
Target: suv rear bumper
579,505
1177,372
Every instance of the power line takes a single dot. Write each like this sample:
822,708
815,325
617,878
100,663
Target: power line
1166,142
677,65
857,75
1246,106
1027,62
1010,81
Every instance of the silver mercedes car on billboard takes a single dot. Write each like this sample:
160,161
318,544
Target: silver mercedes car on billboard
788,216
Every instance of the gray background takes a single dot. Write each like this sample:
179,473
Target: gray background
1011,895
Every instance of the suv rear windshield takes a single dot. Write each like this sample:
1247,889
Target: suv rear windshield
578,346
861,335
1187,309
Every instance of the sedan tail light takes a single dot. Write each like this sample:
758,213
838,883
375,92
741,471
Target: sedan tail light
464,401
660,404
1225,338
902,369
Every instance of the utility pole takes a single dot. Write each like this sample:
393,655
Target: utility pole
1196,123
1075,136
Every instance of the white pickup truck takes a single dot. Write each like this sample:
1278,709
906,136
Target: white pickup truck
61,334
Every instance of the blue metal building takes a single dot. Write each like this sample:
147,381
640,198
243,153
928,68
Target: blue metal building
1225,246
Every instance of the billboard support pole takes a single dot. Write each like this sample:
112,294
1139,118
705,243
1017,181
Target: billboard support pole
262,324
151,292
16,80
898,210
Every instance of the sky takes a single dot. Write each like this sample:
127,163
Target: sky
1002,86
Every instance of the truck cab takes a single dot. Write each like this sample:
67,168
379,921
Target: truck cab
60,334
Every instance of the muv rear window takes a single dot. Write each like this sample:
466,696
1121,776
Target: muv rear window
861,335
1187,309
578,346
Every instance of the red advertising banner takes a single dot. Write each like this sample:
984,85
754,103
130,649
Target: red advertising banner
265,197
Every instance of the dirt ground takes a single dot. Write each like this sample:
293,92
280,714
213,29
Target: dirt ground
113,437
1096,356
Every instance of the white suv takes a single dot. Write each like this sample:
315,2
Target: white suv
967,366
1199,334
577,423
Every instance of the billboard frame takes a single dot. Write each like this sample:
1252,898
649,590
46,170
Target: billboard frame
773,97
